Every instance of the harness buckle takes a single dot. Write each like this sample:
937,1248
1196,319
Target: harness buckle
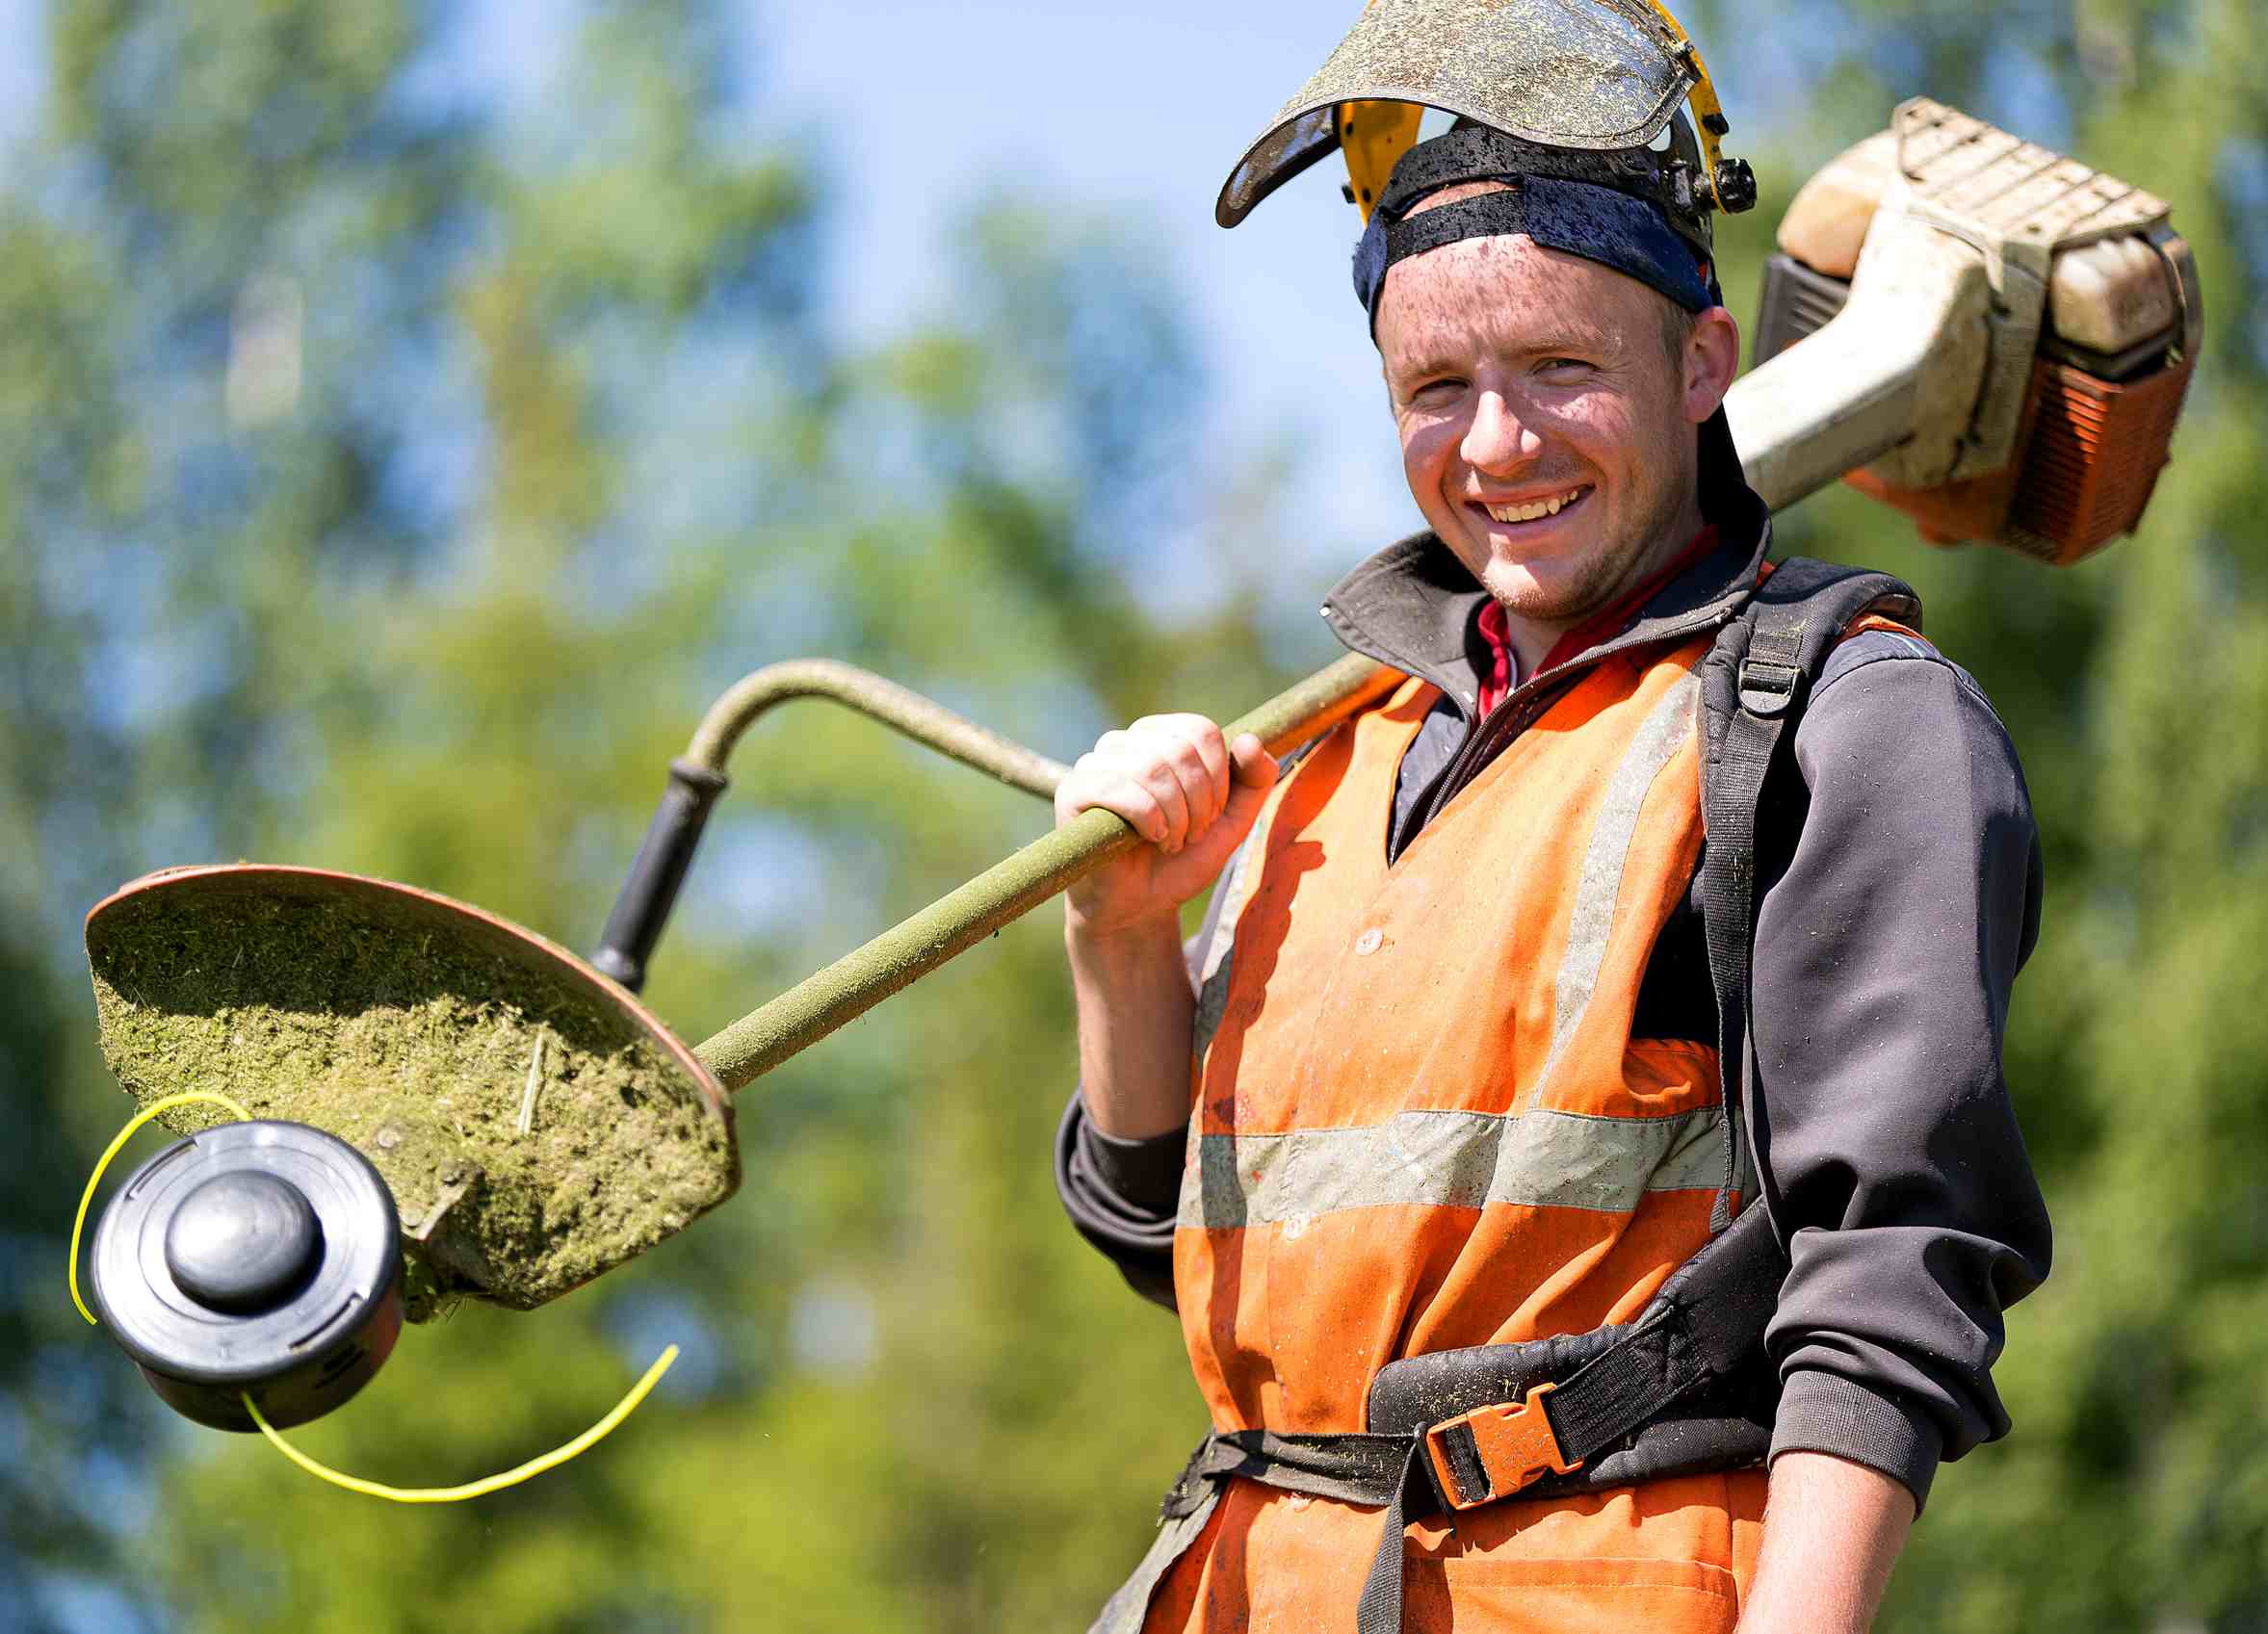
1766,688
1508,1444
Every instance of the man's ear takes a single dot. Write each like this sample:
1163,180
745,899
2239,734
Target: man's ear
1712,358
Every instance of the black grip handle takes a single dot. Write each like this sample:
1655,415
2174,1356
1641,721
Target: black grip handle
651,889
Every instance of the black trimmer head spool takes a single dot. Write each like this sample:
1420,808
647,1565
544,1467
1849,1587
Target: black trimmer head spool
261,1258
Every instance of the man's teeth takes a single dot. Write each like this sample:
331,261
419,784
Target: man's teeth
1535,511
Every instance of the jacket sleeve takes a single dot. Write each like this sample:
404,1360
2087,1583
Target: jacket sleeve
1883,958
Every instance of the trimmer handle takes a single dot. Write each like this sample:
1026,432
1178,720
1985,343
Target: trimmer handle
651,891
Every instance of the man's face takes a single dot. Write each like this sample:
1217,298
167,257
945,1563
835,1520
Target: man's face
1548,433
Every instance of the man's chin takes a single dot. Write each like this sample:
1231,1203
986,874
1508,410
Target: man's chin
1559,595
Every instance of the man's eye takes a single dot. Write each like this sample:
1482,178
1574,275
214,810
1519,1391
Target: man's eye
1437,390
1561,365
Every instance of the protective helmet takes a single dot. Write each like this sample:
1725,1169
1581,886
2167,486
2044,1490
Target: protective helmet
1598,81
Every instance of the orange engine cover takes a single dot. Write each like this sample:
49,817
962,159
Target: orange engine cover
2091,453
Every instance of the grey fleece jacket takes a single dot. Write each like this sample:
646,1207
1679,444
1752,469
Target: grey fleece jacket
1901,893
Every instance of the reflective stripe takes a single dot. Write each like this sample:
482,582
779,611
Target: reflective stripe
1451,1160
1658,737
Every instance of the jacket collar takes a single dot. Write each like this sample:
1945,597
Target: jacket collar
1413,608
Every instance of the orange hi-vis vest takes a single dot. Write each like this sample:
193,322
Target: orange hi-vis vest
1421,1123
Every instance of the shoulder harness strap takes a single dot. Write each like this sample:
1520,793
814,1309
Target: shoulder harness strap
1753,682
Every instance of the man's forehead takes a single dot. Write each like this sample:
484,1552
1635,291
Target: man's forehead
1507,291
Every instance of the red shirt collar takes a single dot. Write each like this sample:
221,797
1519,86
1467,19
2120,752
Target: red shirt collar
1504,673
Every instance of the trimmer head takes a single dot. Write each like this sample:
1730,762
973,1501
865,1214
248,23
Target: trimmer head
259,1259
534,1122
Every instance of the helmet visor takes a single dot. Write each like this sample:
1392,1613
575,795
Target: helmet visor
1566,73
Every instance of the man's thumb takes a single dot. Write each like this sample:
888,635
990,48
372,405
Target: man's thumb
1254,773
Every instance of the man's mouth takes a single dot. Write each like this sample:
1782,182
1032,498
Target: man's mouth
1535,510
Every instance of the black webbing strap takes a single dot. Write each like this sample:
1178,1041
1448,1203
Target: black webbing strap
1379,1611
1704,1324
1753,682
1352,1469
1476,153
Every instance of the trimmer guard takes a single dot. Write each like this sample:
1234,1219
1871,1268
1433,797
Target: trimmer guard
535,1124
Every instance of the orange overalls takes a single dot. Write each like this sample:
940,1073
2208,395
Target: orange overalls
1420,1122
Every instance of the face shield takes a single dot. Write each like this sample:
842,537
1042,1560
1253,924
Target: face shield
1582,75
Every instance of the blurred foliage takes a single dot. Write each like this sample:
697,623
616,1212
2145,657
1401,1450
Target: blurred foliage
394,504
387,480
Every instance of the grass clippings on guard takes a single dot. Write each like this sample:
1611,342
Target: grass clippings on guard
533,1133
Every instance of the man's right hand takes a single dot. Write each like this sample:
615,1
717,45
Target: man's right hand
1182,788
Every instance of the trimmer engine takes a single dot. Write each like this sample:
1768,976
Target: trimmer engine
2081,307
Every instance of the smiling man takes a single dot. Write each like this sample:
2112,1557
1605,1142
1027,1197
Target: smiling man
1438,1078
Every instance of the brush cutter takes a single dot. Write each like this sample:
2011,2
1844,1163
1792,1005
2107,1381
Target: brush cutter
1992,336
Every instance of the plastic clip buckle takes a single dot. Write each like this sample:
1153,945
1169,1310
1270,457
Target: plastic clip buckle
1514,1441
1766,688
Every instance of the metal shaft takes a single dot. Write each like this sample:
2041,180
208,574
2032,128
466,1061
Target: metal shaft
885,701
697,778
865,976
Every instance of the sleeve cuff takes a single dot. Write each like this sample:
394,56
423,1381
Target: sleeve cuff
1826,1413
1133,1236
1147,1173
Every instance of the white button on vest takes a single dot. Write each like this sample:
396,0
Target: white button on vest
1368,940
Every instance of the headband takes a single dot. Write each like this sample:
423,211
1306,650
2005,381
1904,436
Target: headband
1616,208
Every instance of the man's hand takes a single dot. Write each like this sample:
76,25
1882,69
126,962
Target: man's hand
1191,795
1194,797
1832,1530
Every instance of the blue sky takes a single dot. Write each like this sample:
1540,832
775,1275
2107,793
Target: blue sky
23,43
1134,108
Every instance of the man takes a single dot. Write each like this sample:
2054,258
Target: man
1443,1075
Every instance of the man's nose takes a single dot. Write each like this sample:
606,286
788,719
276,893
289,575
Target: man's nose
1497,438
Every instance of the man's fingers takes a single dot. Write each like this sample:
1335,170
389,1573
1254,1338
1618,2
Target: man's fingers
1256,775
1132,801
1097,786
1162,778
1192,746
1204,779
1212,763
1171,777
1102,778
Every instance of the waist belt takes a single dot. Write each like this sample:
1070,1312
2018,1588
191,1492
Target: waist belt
1681,1390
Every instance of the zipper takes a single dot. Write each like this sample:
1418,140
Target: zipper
1494,733
1490,737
